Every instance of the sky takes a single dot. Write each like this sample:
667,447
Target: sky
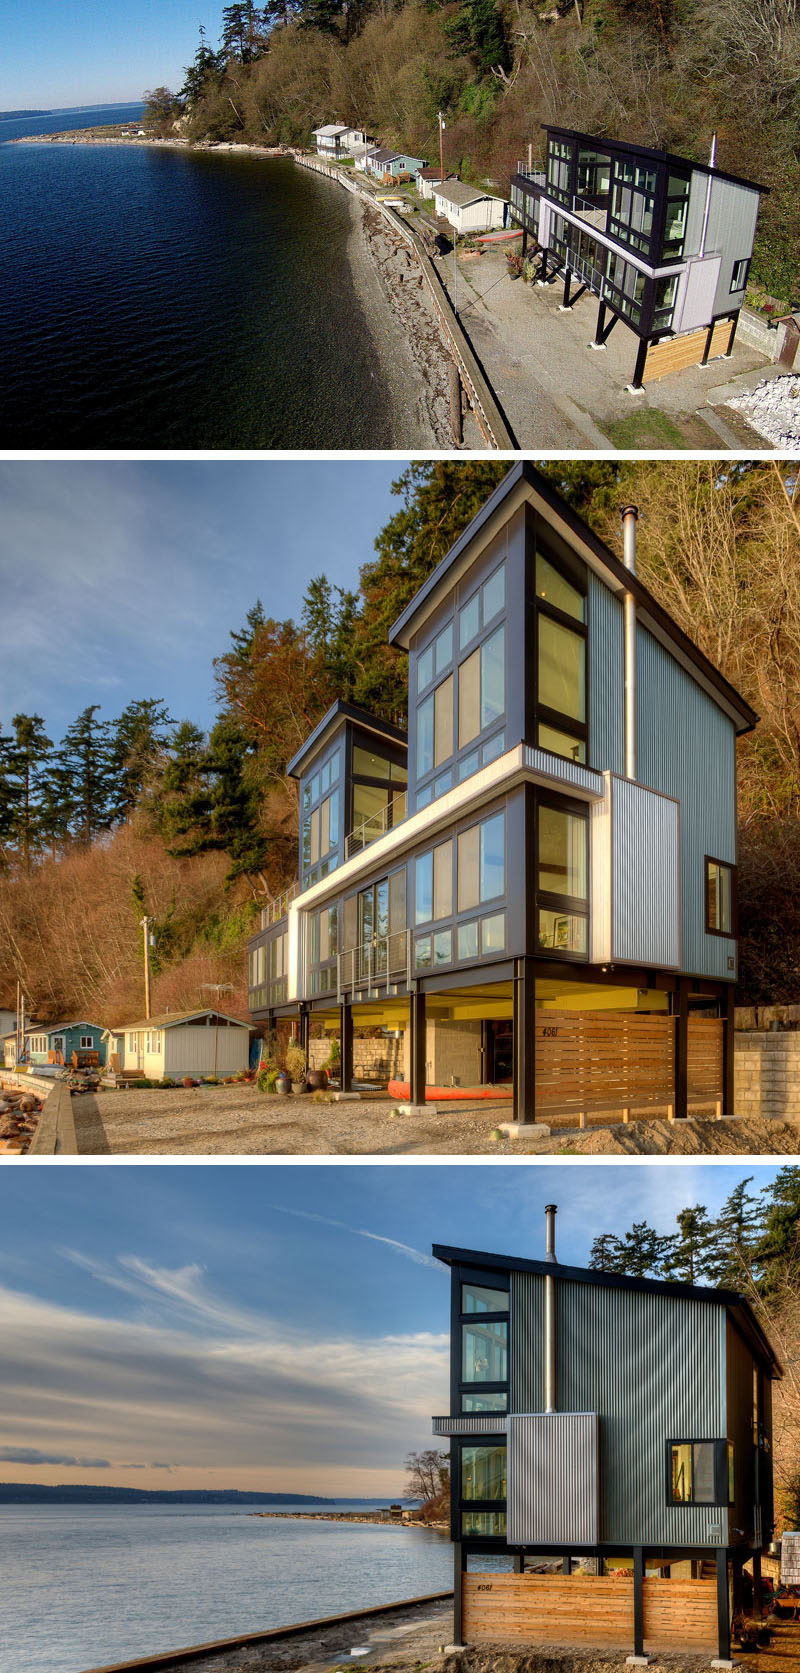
266,1327
125,580
90,52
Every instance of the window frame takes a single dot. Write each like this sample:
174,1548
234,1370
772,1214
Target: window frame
720,1444
489,1279
743,261
570,904
722,934
576,577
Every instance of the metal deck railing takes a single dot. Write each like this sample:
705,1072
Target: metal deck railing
278,906
383,962
376,826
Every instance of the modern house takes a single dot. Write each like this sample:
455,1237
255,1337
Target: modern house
467,208
538,884
391,165
178,1043
615,1435
663,242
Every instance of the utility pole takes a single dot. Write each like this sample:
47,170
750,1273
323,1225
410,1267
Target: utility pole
148,941
217,988
455,273
441,149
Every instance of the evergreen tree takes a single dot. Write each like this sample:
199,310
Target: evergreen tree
30,747
203,72
9,799
477,29
778,1249
209,799
606,1254
688,1257
643,1253
57,810
242,32
179,800
736,1233
137,743
243,640
85,755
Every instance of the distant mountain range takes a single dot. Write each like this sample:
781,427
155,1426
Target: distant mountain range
25,1493
6,114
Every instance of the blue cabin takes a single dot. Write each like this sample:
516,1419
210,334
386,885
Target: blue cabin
395,163
62,1040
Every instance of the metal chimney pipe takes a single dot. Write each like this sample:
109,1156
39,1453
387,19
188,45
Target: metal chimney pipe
630,515
550,1313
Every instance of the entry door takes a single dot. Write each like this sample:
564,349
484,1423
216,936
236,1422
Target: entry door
373,929
59,1043
500,1065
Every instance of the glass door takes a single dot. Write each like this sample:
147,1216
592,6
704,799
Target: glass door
373,929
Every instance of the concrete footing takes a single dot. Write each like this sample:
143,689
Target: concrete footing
638,1661
524,1129
416,1109
346,1097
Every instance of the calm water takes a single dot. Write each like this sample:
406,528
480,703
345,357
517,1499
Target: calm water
83,1585
152,298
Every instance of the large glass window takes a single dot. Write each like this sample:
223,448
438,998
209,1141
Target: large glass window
481,862
555,589
561,644
424,889
562,669
479,1298
487,1402
483,1472
484,1352
469,699
443,880
425,737
562,881
720,898
676,216
443,722
493,678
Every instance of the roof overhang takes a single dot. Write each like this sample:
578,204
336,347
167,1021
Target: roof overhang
734,1303
332,722
671,158
524,484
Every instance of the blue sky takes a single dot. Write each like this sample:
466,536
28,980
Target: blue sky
124,580
261,1326
87,52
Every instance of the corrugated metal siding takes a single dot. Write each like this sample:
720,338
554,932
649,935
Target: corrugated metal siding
471,1423
569,773
731,230
652,1368
645,877
600,875
552,1479
686,747
190,1050
606,679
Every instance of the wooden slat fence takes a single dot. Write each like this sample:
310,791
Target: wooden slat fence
705,1059
577,1609
675,353
603,1060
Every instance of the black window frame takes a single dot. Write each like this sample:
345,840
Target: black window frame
710,929
488,1507
576,576
743,261
720,1470
553,902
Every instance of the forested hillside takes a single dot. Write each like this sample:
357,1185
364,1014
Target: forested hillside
752,1245
664,73
147,814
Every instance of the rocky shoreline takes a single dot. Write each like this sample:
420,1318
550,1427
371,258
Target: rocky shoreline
371,1516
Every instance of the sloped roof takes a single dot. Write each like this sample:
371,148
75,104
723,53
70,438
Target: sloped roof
434,173
173,1019
383,156
455,191
331,129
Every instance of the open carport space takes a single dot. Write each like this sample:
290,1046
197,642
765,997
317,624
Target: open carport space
555,391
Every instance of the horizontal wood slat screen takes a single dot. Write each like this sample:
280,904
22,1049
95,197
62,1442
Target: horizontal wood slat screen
705,1055
579,1609
603,1060
678,352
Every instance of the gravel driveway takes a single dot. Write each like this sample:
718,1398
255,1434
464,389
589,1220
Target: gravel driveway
241,1121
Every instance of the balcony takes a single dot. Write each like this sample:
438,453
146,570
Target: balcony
592,213
537,176
471,1423
376,826
379,966
277,907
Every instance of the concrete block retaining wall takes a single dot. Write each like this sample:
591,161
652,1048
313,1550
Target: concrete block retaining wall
372,1059
767,1075
768,339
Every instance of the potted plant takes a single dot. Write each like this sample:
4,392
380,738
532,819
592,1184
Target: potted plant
283,1083
514,265
296,1067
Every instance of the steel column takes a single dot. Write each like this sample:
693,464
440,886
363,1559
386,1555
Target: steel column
417,1072
601,320
458,1594
346,1046
567,278
524,1040
641,357
723,1609
638,1601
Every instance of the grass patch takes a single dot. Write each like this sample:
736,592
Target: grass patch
645,430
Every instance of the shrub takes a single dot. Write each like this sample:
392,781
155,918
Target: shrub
166,1081
266,1079
295,1063
210,1080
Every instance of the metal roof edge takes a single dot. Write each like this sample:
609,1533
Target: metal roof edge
343,710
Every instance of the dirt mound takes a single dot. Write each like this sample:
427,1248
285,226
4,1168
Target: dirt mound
490,1658
750,1136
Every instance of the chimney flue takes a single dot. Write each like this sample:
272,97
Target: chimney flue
630,515
550,1313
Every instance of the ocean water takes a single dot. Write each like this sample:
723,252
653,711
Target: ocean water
161,299
89,1584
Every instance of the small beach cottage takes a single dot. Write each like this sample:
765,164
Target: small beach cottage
391,165
537,885
614,1434
331,139
75,1044
178,1043
467,208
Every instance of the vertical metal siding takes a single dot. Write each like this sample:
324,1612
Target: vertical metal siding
686,747
651,1366
739,1429
731,230
606,696
645,876
552,1479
